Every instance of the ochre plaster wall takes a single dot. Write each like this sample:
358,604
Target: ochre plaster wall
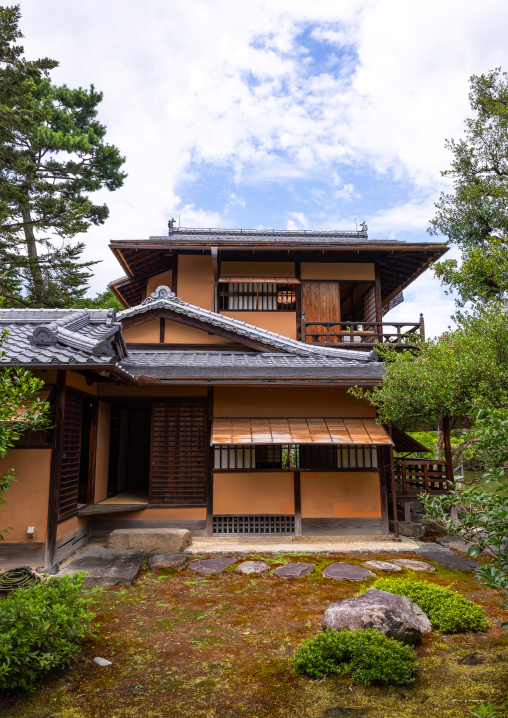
27,497
176,333
257,493
102,455
165,279
321,402
190,514
257,269
76,381
145,333
340,495
195,283
279,322
344,271
70,525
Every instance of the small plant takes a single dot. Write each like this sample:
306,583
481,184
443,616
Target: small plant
447,610
41,627
485,711
365,656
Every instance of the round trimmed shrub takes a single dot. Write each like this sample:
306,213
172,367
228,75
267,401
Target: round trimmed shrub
41,627
447,610
365,656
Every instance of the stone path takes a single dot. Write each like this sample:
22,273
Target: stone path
446,558
347,571
294,570
167,560
414,565
106,566
248,567
212,565
383,566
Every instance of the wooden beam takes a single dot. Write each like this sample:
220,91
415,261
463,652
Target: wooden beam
448,448
197,324
92,452
298,503
210,463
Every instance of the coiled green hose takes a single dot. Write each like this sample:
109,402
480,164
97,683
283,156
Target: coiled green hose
17,578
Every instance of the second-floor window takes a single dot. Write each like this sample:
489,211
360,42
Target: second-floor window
261,296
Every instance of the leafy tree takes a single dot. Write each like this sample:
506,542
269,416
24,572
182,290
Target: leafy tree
53,153
482,514
474,216
462,370
102,300
20,411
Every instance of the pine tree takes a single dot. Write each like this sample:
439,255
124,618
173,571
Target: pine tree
52,154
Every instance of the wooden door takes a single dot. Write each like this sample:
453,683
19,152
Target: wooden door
179,453
71,455
320,303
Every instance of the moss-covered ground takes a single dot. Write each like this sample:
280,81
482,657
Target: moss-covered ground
220,647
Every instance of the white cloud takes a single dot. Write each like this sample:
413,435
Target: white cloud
230,84
297,221
346,193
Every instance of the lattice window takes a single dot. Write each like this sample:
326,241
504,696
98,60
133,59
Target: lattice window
71,455
179,452
256,296
238,525
357,457
369,305
318,456
235,457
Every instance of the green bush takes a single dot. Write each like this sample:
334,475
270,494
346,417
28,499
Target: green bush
447,610
366,656
40,629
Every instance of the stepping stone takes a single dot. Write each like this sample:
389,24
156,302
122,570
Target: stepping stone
167,560
413,565
249,567
347,571
294,570
383,566
106,566
211,565
446,558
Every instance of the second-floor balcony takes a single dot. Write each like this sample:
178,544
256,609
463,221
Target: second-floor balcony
363,335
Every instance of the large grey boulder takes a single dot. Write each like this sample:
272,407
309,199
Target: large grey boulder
150,540
395,616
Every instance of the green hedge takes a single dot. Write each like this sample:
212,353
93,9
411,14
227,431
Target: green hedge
366,656
41,627
447,610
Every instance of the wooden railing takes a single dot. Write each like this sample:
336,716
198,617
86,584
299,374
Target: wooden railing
417,476
363,335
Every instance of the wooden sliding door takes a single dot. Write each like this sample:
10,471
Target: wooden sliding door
71,455
320,303
179,453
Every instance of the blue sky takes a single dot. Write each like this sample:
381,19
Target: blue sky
288,114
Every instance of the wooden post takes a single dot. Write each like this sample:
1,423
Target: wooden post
303,329
378,303
422,328
385,523
210,465
55,471
448,450
394,490
92,453
298,503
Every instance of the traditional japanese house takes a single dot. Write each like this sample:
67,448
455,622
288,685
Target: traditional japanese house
217,400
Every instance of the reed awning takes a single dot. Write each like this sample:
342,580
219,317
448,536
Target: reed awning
298,431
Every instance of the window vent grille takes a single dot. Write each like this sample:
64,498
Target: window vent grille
314,457
256,296
239,525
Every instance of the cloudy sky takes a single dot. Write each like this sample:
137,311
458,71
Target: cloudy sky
289,114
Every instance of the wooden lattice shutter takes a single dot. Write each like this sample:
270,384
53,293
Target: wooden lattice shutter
179,453
71,452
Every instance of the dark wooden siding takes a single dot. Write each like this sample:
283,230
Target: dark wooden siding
179,453
71,454
321,301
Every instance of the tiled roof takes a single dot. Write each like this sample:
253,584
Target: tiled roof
164,298
60,336
237,366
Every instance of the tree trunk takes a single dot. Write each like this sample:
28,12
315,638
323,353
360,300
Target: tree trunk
440,438
39,286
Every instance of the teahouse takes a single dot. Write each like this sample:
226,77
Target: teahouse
217,399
